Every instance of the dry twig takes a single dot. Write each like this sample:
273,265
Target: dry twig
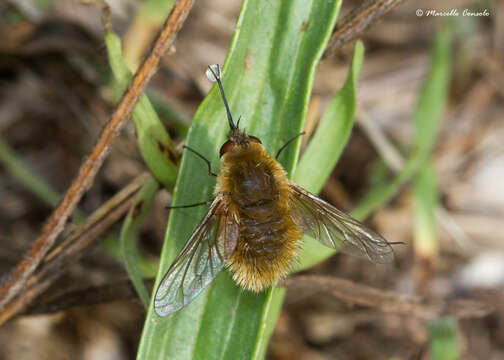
122,290
357,21
14,284
72,248
386,301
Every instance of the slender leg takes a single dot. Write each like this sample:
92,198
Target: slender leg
208,202
396,243
288,143
210,173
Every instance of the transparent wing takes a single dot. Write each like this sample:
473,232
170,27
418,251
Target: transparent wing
335,229
202,258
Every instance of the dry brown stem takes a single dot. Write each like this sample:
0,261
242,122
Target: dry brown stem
14,284
357,21
385,301
73,247
118,291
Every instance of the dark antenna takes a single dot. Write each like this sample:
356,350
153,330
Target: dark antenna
216,77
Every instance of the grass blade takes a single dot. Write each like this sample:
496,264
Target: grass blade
333,131
425,202
149,18
25,175
129,234
427,121
443,340
325,148
154,142
22,172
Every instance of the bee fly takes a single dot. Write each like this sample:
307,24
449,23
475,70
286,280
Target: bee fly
255,223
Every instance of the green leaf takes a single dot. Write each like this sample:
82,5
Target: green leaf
26,176
443,339
21,171
129,234
268,77
429,111
154,142
425,202
333,132
156,10
176,118
427,119
148,19
324,150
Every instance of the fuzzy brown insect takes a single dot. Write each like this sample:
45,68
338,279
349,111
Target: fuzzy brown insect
255,223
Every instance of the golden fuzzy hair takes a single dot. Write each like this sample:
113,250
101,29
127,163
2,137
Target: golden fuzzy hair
254,267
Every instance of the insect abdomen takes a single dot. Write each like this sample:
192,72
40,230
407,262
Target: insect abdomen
265,252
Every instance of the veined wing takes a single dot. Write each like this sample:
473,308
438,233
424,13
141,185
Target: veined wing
335,229
202,258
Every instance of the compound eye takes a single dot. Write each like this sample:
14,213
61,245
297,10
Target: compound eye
228,145
254,139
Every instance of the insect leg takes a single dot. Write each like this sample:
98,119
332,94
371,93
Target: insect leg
208,202
396,243
210,173
288,143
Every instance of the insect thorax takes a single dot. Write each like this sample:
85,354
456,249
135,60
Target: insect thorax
255,182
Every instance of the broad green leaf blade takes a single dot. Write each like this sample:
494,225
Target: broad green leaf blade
154,142
268,77
129,234
325,148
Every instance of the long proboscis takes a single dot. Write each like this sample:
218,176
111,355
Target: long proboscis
223,95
